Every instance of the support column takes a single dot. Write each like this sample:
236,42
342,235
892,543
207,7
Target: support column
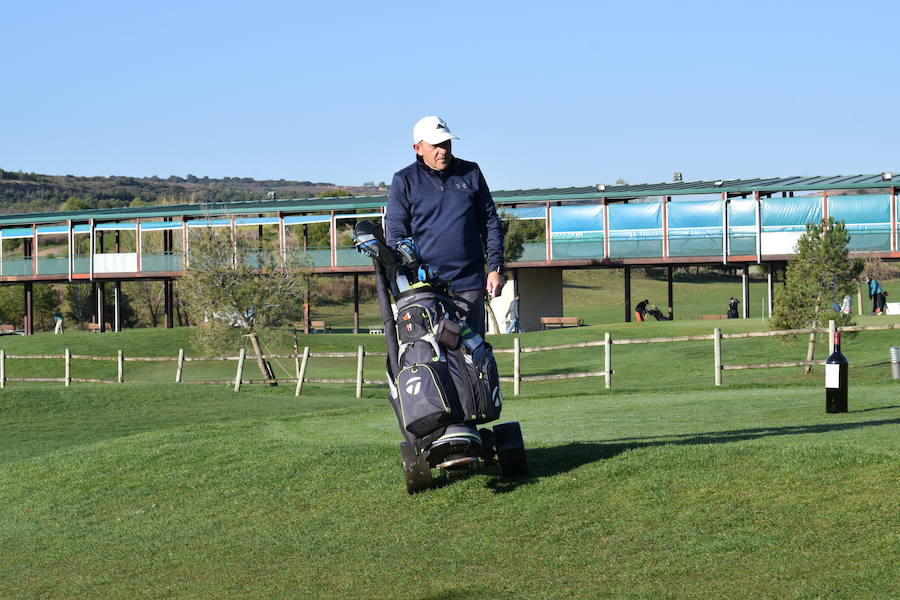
306,311
671,295
770,286
628,294
745,286
355,303
101,306
117,303
168,303
29,308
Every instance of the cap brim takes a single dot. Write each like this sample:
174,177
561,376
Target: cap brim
439,137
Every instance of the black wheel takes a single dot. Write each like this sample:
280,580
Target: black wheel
488,449
415,469
510,449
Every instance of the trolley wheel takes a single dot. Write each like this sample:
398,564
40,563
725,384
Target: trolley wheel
488,449
510,449
415,469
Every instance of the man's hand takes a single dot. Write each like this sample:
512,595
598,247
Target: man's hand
495,283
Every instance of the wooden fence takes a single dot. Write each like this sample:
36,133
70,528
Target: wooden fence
301,360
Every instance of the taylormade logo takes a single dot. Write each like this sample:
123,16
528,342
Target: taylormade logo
413,386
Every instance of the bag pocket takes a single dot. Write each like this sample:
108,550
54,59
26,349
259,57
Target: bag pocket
478,384
428,398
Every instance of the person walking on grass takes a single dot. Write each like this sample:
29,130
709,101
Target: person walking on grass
876,293
58,319
444,203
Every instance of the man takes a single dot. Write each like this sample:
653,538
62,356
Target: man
445,204
512,317
876,293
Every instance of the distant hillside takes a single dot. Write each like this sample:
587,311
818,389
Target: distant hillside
31,192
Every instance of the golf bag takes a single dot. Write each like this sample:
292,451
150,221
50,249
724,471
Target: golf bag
440,372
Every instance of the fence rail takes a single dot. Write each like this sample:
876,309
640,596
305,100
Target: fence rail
301,360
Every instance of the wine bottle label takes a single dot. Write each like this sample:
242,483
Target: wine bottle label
833,376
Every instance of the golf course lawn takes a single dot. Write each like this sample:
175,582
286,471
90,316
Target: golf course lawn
165,491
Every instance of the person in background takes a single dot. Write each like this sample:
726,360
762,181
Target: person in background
512,317
58,319
733,307
876,293
640,311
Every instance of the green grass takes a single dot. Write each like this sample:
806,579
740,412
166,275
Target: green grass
664,487
755,493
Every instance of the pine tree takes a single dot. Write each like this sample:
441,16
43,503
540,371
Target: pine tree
819,276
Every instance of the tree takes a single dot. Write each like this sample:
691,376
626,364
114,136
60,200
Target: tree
236,291
819,276
336,193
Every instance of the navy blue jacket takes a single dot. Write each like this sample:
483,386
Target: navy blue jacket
452,217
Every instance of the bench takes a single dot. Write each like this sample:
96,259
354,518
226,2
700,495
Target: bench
323,325
712,317
10,330
376,329
552,322
95,327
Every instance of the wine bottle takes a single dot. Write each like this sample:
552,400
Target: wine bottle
836,367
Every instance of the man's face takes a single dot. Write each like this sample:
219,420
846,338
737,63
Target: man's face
437,157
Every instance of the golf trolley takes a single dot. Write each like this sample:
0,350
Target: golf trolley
442,376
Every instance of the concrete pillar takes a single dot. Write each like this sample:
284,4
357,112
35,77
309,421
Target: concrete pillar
745,286
540,295
117,304
101,306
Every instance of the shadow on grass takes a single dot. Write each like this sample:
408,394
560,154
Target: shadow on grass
555,460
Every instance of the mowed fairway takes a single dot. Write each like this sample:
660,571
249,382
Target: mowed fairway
166,491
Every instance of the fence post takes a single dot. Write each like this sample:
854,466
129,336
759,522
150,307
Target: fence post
2,368
717,350
360,354
121,370
180,369
517,366
240,370
68,375
302,372
831,329
607,359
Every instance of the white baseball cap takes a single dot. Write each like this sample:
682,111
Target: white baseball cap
433,130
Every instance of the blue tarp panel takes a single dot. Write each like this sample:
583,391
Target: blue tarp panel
869,210
160,225
576,219
868,220
635,230
791,214
742,227
210,223
298,219
635,220
17,232
695,228
577,231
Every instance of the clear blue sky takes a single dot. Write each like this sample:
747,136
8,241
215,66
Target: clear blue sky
541,94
